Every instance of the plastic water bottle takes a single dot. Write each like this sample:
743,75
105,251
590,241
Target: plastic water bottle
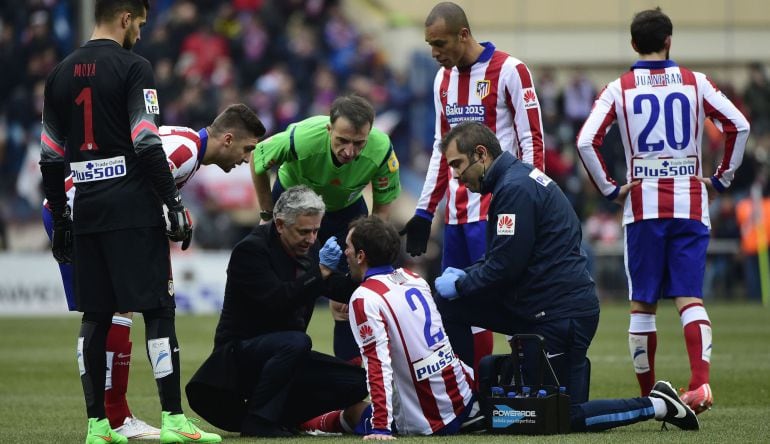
525,392
541,393
497,391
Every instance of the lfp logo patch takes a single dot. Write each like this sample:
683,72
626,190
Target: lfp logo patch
506,224
151,101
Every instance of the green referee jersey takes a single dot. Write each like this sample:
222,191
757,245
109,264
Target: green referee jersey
305,155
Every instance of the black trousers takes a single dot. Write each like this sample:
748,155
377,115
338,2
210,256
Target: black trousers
285,382
566,340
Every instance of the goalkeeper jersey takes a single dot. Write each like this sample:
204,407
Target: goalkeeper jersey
304,154
184,149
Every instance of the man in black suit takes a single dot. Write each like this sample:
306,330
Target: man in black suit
262,376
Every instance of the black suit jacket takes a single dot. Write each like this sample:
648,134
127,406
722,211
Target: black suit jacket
267,291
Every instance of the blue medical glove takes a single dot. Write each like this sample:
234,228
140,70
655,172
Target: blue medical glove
445,285
459,272
330,253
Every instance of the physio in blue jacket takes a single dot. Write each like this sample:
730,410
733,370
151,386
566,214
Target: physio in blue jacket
533,277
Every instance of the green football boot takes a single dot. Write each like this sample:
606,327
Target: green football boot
179,428
100,432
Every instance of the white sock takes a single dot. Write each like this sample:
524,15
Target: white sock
660,408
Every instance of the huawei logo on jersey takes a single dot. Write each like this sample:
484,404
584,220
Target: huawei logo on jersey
530,99
506,224
366,332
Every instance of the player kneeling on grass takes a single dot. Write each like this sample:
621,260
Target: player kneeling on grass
417,384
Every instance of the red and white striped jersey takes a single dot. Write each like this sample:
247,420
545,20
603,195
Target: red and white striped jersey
415,380
183,151
660,109
498,91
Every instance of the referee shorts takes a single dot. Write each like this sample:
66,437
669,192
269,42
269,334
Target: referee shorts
123,270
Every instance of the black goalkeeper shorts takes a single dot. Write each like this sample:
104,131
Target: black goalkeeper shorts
123,270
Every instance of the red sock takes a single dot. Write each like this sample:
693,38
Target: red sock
697,337
483,342
642,343
328,422
115,403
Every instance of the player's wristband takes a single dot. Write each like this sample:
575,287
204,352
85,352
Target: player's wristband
266,215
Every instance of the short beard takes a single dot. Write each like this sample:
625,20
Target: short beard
127,43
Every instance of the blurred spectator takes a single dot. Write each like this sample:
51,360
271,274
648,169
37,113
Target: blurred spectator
757,99
753,213
724,226
289,59
578,99
549,96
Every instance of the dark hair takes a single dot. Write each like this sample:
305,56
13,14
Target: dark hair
453,16
106,10
468,135
239,118
377,238
649,30
354,108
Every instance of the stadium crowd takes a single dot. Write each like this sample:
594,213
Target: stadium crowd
289,59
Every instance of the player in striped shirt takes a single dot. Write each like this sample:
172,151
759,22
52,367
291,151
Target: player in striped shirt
661,109
418,386
476,82
227,143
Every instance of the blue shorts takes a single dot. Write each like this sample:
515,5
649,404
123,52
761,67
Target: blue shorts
665,258
464,244
64,269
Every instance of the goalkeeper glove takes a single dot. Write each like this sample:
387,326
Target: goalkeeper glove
180,226
61,238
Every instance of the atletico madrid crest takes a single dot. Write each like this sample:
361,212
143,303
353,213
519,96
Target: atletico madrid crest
483,88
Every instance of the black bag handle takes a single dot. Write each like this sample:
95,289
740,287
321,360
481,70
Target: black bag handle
516,341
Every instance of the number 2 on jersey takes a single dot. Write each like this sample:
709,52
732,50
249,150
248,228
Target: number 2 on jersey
84,98
670,122
430,338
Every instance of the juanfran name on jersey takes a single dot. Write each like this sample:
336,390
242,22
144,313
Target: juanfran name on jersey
99,169
659,79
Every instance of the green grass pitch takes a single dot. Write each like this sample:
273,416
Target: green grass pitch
41,398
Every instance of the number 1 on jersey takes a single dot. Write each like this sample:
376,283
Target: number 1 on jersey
84,98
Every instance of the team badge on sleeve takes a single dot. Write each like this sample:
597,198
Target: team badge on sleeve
529,97
392,162
151,101
506,224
